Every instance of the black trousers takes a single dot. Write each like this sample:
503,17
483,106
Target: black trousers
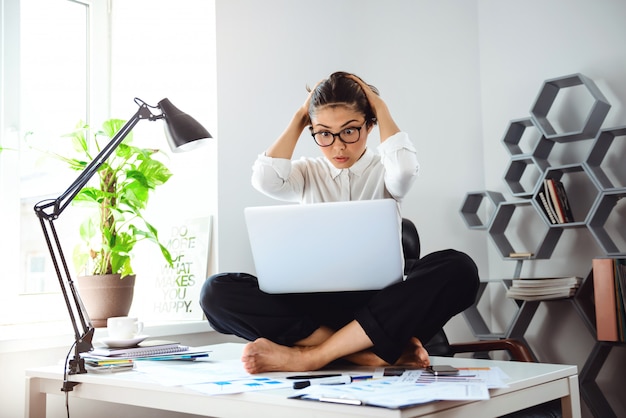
438,286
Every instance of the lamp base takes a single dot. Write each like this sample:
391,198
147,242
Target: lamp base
76,366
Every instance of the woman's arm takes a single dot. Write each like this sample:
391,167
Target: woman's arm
284,146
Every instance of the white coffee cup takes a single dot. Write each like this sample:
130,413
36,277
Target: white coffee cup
124,327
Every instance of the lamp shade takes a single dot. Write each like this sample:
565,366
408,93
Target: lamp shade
183,132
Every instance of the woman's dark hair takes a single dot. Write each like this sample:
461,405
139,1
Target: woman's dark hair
339,90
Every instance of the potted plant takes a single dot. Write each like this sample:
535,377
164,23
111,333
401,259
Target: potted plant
110,233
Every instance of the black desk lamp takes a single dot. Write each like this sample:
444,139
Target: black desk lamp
183,133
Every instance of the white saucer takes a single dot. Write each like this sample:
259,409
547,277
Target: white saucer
115,343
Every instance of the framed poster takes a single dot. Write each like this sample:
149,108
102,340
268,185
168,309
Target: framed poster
173,292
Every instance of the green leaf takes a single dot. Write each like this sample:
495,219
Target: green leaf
112,126
119,194
87,230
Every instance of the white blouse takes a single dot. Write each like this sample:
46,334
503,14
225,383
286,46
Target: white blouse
388,174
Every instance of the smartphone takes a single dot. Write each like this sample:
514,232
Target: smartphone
443,370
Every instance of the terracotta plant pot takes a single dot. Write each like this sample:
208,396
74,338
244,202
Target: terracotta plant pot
106,296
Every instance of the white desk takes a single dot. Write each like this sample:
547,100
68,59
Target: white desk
530,384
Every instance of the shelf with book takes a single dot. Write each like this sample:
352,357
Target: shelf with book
516,325
543,288
539,246
594,188
609,289
604,311
558,205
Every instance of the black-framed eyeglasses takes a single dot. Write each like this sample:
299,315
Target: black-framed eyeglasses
347,136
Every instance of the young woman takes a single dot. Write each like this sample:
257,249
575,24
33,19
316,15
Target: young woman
300,332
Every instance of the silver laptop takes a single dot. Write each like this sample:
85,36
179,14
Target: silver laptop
326,247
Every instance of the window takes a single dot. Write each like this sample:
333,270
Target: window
46,90
58,60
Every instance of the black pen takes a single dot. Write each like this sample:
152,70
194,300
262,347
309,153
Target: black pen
312,376
336,380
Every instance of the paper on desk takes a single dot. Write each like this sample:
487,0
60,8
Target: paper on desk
396,394
211,378
182,373
249,384
492,377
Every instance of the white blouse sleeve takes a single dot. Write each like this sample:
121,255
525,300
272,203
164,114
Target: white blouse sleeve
399,157
275,178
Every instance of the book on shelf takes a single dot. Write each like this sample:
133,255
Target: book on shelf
620,297
563,294
546,281
561,194
609,282
547,207
547,288
556,205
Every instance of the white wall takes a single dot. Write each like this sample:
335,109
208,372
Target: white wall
521,45
422,55
454,73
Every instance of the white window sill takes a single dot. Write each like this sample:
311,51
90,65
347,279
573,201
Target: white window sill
15,338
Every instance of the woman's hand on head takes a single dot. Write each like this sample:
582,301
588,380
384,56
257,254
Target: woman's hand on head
386,123
304,110
375,101
284,146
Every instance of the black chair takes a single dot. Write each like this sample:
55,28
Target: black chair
440,346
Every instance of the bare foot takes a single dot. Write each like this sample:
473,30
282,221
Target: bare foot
263,355
414,354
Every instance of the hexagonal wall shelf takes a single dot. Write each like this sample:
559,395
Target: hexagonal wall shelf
569,108
523,173
601,145
472,206
585,304
500,223
589,389
547,97
581,194
521,133
606,205
515,327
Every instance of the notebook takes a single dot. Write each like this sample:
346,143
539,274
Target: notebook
145,348
326,247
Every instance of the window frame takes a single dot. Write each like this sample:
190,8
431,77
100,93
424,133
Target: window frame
17,306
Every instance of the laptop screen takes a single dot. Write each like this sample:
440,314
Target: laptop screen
326,247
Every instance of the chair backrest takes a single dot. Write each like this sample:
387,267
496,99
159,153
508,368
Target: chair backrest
411,248
410,243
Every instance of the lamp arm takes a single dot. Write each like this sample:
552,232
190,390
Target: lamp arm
59,204
49,210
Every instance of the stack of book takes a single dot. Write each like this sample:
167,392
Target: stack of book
543,288
554,201
108,365
103,359
609,290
